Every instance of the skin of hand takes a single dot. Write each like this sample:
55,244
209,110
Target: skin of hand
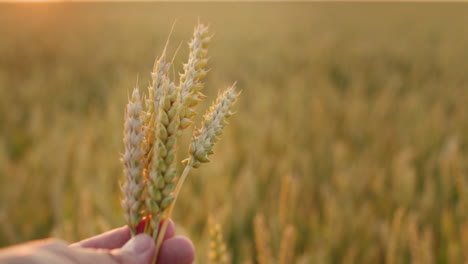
113,247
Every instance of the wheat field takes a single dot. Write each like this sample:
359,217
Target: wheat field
349,145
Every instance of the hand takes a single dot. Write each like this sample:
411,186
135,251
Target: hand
113,247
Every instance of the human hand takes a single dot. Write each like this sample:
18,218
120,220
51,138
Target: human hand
113,247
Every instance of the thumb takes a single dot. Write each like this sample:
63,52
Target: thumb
138,250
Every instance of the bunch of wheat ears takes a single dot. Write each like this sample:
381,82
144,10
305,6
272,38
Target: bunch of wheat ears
151,133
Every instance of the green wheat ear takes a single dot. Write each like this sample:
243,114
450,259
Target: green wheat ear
214,122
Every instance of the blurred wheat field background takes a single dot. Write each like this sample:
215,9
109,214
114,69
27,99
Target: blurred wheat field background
350,142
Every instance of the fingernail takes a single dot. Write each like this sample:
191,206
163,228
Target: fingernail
139,244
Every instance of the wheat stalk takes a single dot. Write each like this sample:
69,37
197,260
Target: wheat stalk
132,158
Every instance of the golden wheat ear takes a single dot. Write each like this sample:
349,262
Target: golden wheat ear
132,160
262,240
288,243
217,253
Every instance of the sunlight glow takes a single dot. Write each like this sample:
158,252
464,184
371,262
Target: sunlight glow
31,1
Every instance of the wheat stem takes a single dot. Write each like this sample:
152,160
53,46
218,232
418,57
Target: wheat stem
165,221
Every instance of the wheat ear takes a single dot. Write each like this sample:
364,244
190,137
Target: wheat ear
202,145
194,72
162,169
288,243
132,160
214,122
160,69
262,239
217,253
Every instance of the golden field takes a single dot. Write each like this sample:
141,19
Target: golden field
350,142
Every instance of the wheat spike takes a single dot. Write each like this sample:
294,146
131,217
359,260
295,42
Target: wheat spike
132,160
287,202
213,124
162,169
194,72
288,243
160,69
218,252
262,238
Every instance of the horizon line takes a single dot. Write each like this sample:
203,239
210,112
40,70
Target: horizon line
232,1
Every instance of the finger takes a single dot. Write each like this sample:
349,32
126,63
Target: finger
115,238
176,250
138,250
170,230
